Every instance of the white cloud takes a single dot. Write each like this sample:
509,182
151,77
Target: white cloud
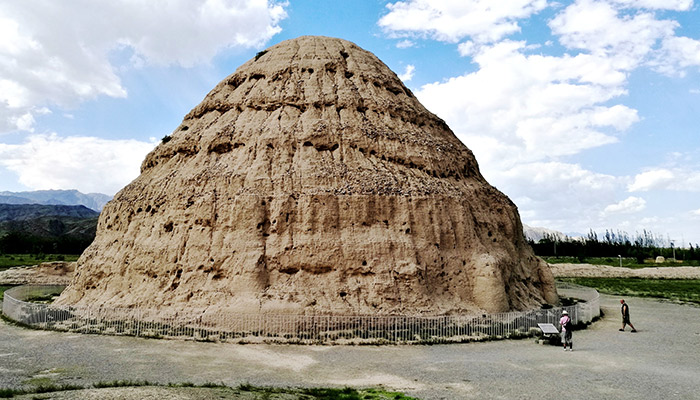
404,44
677,54
58,53
523,108
629,205
554,180
88,164
651,180
408,73
695,213
676,179
452,20
601,29
558,195
629,39
523,112
676,5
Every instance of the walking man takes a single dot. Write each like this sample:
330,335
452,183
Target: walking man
626,316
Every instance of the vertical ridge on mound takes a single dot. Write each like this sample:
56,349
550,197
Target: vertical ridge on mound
311,180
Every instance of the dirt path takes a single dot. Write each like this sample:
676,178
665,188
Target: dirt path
661,361
607,271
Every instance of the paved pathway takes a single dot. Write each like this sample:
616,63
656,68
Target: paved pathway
659,362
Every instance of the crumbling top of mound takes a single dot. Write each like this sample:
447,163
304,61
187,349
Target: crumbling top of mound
325,95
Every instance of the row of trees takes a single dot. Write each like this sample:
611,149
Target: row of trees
612,244
24,243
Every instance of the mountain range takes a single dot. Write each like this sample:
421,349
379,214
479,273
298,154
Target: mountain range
48,221
93,201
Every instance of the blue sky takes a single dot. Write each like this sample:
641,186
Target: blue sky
584,112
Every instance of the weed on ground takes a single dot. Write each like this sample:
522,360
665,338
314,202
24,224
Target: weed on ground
245,388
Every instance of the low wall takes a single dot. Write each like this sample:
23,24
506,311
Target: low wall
307,329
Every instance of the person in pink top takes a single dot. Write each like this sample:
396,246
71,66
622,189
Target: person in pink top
566,328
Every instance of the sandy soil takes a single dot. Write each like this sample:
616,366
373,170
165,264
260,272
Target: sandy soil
606,271
48,273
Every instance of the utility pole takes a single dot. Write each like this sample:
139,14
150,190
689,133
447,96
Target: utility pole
674,252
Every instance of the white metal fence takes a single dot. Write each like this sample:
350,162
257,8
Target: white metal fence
308,329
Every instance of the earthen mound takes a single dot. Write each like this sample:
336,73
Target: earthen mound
311,180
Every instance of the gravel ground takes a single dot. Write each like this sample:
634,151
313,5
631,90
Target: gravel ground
659,362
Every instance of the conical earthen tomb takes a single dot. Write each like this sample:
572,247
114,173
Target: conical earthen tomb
311,180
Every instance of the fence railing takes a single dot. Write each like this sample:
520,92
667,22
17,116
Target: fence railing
307,329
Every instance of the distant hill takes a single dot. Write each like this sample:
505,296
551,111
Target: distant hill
94,201
536,233
25,212
35,228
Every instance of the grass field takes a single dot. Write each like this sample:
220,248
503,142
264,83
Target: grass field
672,289
627,262
15,260
2,290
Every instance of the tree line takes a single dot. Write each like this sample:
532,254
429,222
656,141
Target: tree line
642,246
26,243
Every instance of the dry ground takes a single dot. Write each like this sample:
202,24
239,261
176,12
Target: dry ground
661,361
606,271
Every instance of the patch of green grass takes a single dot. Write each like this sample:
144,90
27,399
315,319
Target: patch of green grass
44,299
347,393
16,260
331,394
672,289
56,388
3,288
40,381
372,394
47,298
353,394
121,383
7,393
